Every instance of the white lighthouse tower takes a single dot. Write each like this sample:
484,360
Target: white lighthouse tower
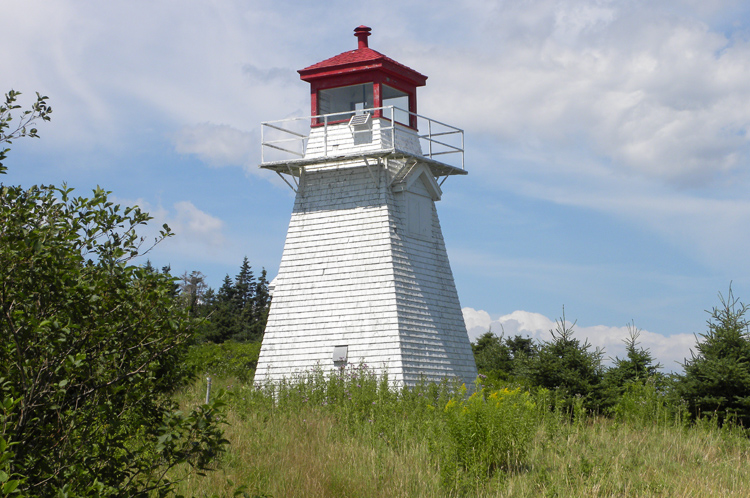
365,278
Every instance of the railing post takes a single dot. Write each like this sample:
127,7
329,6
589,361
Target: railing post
429,135
262,145
393,127
325,136
462,150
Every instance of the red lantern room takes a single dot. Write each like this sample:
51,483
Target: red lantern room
363,79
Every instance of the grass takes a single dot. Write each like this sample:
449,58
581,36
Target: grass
352,437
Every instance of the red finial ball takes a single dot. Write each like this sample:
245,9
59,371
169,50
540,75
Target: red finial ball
362,32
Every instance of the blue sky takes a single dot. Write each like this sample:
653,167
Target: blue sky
606,141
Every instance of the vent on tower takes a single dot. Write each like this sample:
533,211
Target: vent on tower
359,119
340,355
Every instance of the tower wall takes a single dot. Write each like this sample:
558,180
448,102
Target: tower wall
434,342
365,266
335,284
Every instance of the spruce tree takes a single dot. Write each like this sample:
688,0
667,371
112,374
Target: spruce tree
223,316
567,365
244,294
492,356
261,305
244,285
637,366
717,376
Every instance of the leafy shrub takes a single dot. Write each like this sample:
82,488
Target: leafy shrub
92,349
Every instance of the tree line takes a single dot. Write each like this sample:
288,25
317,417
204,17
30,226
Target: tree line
715,381
238,311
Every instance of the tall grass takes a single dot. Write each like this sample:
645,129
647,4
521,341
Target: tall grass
353,435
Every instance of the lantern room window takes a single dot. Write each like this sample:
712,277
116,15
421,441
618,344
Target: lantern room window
345,100
399,99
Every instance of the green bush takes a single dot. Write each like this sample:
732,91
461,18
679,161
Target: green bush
568,366
92,349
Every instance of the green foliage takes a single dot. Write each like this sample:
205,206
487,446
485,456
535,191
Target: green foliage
237,312
9,481
645,402
92,351
717,377
492,356
229,359
499,359
488,432
567,365
637,366
472,438
39,110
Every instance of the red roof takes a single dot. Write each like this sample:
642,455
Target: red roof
361,59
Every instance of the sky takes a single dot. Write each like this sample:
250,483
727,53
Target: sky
606,142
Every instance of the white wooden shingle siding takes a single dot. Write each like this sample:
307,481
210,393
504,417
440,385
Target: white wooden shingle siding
379,134
353,275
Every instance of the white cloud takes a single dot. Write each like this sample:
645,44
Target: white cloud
667,350
195,231
217,145
660,95
195,225
222,145
656,95
476,320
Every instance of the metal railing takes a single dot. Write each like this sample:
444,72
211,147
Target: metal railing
286,139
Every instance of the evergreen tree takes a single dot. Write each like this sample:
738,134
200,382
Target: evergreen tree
567,365
149,267
261,305
244,286
492,356
637,366
238,311
717,377
192,287
224,316
175,288
262,297
244,296
521,347
226,291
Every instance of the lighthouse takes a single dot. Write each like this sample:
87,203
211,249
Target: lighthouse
364,277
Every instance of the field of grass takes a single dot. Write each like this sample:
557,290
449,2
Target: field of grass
352,436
